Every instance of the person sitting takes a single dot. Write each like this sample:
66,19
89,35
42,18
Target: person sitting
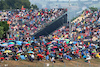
32,57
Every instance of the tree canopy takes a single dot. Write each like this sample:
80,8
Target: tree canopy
1,31
93,9
15,4
4,27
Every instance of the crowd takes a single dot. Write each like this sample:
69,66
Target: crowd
57,45
26,23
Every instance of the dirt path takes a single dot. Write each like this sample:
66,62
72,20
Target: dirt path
72,63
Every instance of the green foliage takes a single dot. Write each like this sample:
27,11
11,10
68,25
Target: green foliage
4,25
15,4
1,31
93,9
34,6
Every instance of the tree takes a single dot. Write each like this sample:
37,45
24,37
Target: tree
93,9
1,32
2,3
14,4
4,27
34,6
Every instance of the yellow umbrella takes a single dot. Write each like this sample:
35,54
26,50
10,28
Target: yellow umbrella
79,37
7,51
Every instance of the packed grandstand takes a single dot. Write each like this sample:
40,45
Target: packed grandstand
20,45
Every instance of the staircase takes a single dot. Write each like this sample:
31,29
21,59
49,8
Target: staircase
52,26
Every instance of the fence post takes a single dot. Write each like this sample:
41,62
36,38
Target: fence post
77,64
64,64
89,65
83,65
36,65
52,64
44,64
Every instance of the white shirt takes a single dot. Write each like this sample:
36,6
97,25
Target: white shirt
32,56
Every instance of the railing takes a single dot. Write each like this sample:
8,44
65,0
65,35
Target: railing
55,65
52,26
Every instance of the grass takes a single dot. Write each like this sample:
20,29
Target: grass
72,63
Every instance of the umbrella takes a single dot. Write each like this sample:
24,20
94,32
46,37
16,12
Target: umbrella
4,45
48,43
30,52
7,51
55,47
2,50
54,41
27,44
19,51
2,58
40,55
19,42
32,41
67,39
10,39
74,42
11,43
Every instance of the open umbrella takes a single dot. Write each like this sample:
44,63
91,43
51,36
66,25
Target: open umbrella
7,51
27,44
19,42
19,51
49,43
11,43
40,55
4,45
10,39
0,44
30,52
55,47
74,42
67,39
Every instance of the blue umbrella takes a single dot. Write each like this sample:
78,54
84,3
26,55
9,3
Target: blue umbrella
0,44
19,42
2,50
11,43
32,41
25,42
4,45
30,52
74,42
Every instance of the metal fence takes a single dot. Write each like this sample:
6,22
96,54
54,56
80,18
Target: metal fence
54,65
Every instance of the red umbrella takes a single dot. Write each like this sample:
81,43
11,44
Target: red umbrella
17,16
48,43
2,58
27,44
55,47
40,55
10,39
